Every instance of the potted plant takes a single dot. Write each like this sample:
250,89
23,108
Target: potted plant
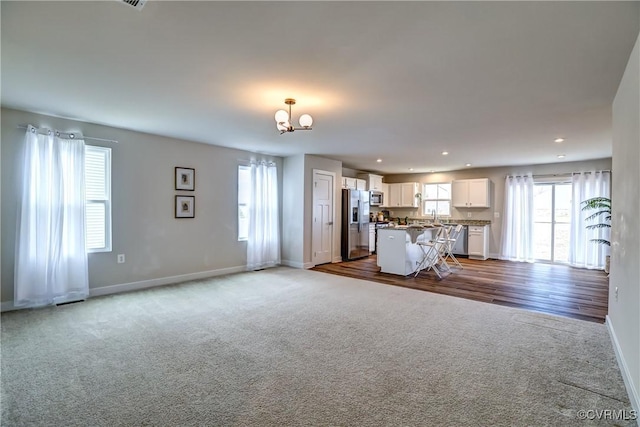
602,206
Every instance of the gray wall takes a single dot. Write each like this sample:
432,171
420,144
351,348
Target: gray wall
350,173
156,245
293,212
497,178
297,214
624,311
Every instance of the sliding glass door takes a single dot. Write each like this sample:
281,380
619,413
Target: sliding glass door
552,220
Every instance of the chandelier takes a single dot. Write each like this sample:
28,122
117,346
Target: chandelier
283,119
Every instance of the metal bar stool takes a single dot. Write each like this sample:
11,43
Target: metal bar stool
433,255
450,242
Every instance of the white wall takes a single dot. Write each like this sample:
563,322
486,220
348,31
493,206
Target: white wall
497,178
624,311
293,208
158,247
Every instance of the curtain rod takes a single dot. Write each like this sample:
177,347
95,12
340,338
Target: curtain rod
555,175
248,162
83,136
550,175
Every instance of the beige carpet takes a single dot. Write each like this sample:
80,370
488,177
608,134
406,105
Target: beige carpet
295,347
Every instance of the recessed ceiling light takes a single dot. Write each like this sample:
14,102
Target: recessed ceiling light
433,171
379,160
410,169
444,153
561,156
468,164
558,140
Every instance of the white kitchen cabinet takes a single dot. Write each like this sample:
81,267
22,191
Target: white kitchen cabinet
349,183
372,238
403,195
478,241
393,200
408,191
385,194
374,182
361,184
471,193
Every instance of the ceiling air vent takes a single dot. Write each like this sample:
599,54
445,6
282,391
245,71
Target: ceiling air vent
138,4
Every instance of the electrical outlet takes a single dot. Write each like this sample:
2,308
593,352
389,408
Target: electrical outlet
468,214
120,258
496,214
616,293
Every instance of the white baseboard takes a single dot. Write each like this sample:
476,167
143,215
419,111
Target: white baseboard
336,259
296,264
144,284
634,396
8,306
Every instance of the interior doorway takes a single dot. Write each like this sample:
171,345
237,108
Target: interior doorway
323,217
552,221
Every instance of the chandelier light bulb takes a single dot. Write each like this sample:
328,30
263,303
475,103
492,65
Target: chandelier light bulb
282,116
306,121
284,119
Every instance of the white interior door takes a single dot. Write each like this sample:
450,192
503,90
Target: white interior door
322,236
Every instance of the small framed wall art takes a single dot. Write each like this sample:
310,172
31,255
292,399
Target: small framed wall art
185,206
185,179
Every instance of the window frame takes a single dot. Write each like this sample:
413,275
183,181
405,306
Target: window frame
438,199
106,200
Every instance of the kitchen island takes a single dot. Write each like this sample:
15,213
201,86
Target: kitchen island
398,249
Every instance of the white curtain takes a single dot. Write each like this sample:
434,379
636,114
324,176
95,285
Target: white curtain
517,219
51,260
583,252
263,245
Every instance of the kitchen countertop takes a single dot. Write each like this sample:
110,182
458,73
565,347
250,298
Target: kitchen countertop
468,221
444,221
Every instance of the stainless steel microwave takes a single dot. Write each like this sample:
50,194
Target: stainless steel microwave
376,198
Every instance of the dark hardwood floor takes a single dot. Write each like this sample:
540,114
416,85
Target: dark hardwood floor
549,288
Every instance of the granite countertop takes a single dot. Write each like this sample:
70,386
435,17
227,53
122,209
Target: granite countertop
445,221
468,221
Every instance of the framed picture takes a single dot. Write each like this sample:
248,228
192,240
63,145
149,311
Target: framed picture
185,206
185,179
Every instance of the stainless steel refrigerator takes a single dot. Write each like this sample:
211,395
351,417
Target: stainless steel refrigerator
355,224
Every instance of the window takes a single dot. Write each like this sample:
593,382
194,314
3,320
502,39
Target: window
552,221
244,197
97,169
436,199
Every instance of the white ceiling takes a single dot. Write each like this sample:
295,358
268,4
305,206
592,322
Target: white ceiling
493,83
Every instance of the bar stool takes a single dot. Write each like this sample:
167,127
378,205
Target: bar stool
433,252
450,242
